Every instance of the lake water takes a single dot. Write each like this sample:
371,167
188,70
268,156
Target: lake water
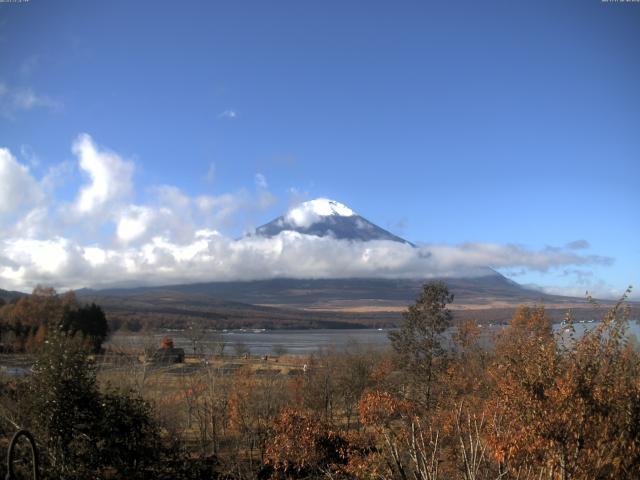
298,342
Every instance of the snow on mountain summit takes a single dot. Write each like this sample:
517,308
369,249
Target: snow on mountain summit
308,213
323,217
324,206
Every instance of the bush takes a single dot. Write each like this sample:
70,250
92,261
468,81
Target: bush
85,433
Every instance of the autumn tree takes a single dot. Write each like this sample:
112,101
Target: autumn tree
253,403
302,447
408,447
466,373
567,411
20,320
25,322
351,370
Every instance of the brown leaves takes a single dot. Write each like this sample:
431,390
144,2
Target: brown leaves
380,408
300,444
566,409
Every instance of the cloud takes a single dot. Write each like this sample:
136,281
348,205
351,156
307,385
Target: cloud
296,196
104,239
596,289
26,99
260,181
16,99
233,209
302,216
510,256
228,114
33,224
19,190
211,173
28,154
209,256
57,175
133,223
581,276
578,245
110,177
172,197
307,213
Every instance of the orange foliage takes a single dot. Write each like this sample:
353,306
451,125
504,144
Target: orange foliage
380,408
300,445
572,412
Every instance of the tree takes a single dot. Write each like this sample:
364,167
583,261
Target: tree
216,344
196,333
84,432
24,323
572,411
301,446
418,342
128,437
63,398
20,320
90,321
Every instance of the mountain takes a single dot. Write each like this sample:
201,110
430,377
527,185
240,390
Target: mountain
319,303
9,295
323,217
180,306
482,295
342,293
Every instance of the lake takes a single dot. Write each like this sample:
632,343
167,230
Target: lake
297,342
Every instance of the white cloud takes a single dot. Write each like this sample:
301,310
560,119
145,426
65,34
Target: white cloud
173,197
265,200
209,256
26,99
29,155
596,289
110,177
133,223
229,113
18,189
302,217
261,180
15,99
33,224
510,256
57,175
174,237
43,256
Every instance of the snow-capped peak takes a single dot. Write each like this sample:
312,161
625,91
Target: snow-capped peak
309,212
325,207
323,217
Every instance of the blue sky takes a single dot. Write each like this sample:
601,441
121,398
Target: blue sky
509,124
